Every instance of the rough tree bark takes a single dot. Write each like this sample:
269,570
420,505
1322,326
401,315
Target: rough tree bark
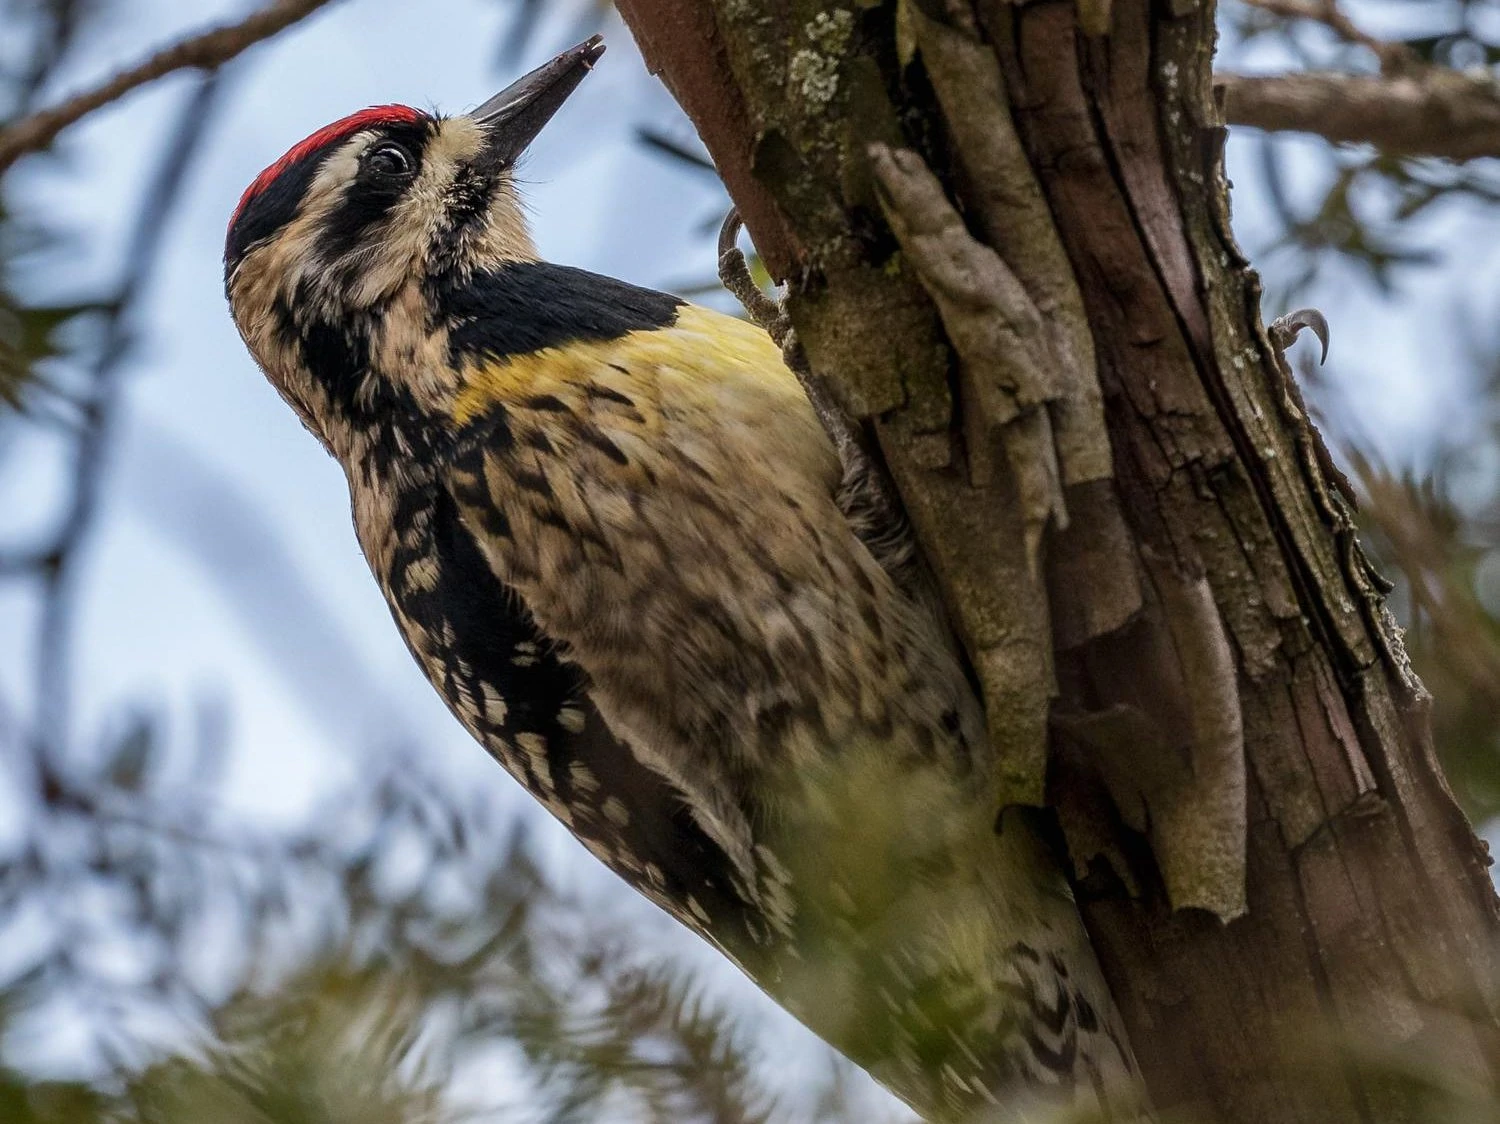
1171,621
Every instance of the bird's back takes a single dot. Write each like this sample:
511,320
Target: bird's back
670,518
663,505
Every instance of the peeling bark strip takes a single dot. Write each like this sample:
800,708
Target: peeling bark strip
1232,725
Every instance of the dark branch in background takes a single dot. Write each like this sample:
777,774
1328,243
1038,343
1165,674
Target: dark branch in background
206,51
1413,133
50,48
1430,98
1432,111
674,149
1327,12
57,560
526,19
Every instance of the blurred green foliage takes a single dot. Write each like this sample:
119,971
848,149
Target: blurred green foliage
396,951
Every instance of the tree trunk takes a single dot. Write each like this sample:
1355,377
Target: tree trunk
1141,540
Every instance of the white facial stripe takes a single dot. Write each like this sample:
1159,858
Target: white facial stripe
389,260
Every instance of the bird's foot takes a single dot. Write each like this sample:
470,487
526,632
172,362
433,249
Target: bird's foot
734,274
865,496
1285,329
771,315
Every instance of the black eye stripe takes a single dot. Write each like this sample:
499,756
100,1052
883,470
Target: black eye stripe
370,196
277,204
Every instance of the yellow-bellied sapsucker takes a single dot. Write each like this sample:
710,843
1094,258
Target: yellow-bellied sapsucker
607,524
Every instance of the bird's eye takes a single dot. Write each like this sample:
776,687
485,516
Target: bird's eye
389,159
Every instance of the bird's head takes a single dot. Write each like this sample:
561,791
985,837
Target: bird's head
336,249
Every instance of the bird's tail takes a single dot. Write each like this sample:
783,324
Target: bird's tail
946,957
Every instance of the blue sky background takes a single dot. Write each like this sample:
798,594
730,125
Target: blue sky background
224,567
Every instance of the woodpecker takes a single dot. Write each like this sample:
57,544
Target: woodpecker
608,525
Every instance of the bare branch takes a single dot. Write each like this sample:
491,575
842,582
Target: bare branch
205,51
1432,112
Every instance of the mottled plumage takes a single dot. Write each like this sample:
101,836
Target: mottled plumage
608,526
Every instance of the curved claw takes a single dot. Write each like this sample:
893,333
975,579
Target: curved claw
729,233
1284,329
734,273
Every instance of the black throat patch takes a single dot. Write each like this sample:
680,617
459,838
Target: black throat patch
529,306
381,409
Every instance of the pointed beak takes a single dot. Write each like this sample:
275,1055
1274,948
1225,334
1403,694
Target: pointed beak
515,115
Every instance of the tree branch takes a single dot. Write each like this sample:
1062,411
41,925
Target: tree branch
1433,112
205,51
